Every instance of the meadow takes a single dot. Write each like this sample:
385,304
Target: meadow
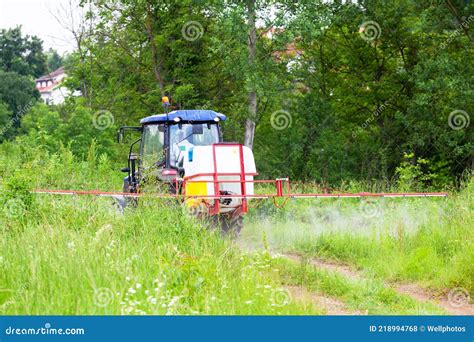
81,255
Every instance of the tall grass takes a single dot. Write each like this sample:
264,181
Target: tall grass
80,255
426,240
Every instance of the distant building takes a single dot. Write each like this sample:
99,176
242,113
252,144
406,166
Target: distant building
289,54
50,88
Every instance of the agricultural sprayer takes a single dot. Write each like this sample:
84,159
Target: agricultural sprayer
184,153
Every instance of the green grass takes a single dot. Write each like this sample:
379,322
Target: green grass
365,295
77,256
424,240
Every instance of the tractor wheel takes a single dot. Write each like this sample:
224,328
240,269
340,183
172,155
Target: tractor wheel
231,225
126,201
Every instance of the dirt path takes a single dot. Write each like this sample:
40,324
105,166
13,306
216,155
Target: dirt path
423,295
411,290
332,306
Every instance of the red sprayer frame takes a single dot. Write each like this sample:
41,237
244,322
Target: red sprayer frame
280,185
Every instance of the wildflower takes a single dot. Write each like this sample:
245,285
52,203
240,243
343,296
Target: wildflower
71,245
248,302
173,301
102,230
127,278
138,285
132,290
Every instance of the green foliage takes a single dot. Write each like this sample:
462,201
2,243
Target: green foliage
18,92
53,60
411,175
355,105
5,121
74,125
21,54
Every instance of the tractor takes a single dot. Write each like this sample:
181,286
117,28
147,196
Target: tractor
184,151
181,155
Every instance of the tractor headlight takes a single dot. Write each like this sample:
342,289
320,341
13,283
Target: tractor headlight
216,119
177,119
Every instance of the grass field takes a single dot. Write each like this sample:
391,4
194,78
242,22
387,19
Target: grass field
425,240
80,255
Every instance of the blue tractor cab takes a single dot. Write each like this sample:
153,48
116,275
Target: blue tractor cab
165,140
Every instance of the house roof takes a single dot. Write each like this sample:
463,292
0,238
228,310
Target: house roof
51,75
194,115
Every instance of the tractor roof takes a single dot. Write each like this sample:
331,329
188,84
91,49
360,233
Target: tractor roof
196,115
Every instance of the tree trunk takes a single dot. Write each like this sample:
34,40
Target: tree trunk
252,96
156,63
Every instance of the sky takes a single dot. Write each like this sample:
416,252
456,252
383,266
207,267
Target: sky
36,18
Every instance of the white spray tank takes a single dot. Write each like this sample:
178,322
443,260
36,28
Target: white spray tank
230,161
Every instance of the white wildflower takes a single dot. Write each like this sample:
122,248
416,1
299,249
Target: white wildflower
102,230
173,301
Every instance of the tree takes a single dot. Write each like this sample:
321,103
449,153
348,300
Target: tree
358,85
54,60
18,92
252,53
5,121
23,55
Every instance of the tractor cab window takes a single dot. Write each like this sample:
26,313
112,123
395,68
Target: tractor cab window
153,141
184,137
